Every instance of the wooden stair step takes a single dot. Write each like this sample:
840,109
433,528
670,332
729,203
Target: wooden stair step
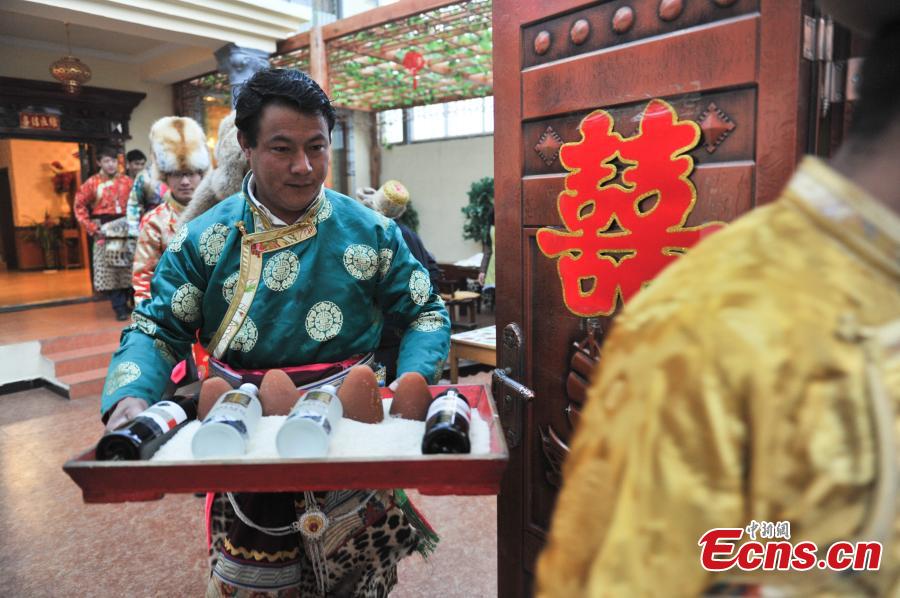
85,384
80,360
62,344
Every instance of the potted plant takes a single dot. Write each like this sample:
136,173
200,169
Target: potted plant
46,234
478,212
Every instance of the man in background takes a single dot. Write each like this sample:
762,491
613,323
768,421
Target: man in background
135,161
99,202
755,381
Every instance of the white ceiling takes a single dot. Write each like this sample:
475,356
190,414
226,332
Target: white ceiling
101,43
38,32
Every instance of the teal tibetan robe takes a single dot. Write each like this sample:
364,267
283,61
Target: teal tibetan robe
315,291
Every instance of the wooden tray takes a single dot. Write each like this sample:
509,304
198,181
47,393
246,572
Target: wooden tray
121,481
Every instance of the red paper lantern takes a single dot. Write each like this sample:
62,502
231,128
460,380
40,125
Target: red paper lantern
413,62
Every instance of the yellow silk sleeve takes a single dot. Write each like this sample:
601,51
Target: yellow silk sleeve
656,462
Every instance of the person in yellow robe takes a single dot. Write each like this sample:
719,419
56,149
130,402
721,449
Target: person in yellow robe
756,379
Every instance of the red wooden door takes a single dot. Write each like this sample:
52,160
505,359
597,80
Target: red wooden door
735,66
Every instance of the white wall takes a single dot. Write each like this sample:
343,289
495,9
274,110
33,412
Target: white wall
23,361
362,134
29,63
438,175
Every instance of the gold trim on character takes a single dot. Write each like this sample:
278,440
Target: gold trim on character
681,153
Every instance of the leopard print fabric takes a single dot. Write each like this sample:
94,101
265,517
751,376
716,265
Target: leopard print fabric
363,566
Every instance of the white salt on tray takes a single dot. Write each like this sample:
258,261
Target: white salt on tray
393,437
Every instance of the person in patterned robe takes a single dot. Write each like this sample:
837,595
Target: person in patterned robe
100,202
756,380
185,160
145,195
287,273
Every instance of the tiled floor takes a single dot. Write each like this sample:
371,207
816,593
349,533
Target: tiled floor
52,544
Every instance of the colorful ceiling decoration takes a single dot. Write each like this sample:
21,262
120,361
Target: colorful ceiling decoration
296,59
368,63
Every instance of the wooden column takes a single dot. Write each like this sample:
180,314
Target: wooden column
318,60
318,70
374,151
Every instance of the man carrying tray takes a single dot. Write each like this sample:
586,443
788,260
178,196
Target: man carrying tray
287,274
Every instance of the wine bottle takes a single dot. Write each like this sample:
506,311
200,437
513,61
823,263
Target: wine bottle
227,428
447,424
141,437
306,432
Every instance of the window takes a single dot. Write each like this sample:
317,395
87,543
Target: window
391,125
438,121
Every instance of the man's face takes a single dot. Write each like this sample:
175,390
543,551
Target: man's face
183,184
108,165
135,166
290,160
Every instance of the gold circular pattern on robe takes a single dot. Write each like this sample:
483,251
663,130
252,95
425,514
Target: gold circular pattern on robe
178,239
125,373
419,287
165,350
228,287
246,337
361,261
143,323
438,370
212,241
324,321
429,321
280,272
325,211
385,257
186,303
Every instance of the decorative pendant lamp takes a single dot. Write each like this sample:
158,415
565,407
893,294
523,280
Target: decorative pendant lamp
70,71
413,62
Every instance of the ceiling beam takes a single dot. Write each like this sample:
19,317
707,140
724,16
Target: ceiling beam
365,20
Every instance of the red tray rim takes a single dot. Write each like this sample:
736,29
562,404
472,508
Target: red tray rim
101,481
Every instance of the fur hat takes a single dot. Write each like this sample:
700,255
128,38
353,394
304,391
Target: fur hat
390,200
864,16
225,179
177,144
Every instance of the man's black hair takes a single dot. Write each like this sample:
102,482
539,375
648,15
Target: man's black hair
135,155
279,86
878,108
107,152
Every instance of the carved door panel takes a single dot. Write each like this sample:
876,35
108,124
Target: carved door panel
733,66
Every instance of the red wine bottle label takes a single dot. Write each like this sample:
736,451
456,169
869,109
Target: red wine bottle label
450,402
164,414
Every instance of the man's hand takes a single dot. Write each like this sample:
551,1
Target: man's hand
125,411
481,278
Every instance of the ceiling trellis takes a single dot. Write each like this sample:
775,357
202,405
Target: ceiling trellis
364,55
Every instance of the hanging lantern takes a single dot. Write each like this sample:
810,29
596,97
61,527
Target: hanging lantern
70,71
413,62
